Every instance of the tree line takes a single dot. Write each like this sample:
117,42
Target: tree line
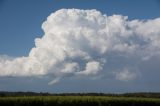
138,94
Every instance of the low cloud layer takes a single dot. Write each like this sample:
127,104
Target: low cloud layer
80,42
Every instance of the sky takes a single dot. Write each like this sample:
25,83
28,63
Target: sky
116,54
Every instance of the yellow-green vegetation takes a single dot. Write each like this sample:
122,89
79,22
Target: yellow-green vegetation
78,101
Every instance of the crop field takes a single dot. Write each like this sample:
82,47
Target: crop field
78,101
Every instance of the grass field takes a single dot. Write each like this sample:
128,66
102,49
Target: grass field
78,101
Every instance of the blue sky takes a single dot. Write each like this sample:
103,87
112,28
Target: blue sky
20,24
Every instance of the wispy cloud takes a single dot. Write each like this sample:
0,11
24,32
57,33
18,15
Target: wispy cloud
125,75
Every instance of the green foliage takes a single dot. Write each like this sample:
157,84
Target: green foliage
77,101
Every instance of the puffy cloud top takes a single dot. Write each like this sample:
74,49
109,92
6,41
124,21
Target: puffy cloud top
78,42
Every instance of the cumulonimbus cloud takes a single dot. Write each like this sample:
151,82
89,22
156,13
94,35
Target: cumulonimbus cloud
78,42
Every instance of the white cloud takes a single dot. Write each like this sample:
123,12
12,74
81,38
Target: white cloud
125,75
76,40
91,68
